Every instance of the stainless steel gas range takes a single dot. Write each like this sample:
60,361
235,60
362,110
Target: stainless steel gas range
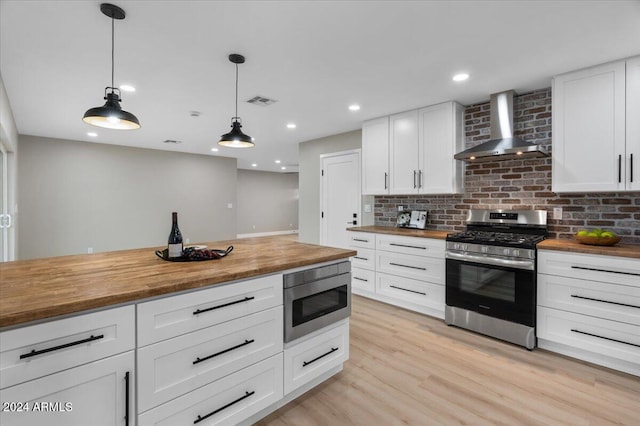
491,274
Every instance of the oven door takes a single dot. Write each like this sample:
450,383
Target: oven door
499,291
314,305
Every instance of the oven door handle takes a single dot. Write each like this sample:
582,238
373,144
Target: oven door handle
518,264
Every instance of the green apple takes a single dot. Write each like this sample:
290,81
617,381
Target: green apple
597,231
592,234
583,233
607,234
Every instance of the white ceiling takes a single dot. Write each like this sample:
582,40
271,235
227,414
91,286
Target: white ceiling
315,57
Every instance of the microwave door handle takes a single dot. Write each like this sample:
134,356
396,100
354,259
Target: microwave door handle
519,264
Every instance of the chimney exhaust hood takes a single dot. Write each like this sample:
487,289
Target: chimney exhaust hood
502,145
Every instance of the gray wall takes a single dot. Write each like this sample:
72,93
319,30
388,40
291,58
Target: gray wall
309,161
75,195
267,201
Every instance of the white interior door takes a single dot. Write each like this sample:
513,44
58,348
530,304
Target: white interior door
5,219
341,196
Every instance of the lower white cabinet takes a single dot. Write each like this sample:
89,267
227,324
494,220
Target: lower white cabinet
100,393
363,281
421,293
227,401
314,356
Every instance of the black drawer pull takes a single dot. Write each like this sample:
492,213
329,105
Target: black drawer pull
246,342
631,168
619,168
201,418
66,345
199,311
605,270
360,241
604,301
360,258
126,398
305,363
408,266
605,338
360,279
407,246
406,289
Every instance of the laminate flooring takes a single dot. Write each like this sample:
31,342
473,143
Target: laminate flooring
410,369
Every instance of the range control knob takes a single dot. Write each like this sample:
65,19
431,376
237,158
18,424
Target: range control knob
484,249
516,253
456,246
506,252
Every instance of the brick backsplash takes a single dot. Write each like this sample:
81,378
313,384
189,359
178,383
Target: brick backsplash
519,184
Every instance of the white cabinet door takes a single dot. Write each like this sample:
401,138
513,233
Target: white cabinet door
100,393
441,136
589,130
375,156
403,158
633,124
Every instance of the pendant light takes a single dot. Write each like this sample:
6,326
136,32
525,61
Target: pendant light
235,138
110,115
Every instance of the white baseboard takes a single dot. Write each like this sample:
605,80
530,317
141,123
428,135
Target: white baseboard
267,234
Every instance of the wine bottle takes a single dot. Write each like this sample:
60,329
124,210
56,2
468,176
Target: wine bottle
175,238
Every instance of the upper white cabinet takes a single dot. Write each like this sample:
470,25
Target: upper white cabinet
375,156
596,141
415,155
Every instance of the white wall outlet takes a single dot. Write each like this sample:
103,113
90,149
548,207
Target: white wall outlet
229,205
557,213
367,208
90,250
400,208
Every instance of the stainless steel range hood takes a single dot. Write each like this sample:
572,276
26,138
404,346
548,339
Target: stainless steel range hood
502,145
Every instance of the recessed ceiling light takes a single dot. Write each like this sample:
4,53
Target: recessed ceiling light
283,168
354,107
291,125
254,165
127,88
92,134
277,161
460,77
214,149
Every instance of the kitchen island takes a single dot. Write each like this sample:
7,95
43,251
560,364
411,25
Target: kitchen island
126,338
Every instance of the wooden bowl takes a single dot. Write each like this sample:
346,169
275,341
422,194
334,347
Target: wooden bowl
597,241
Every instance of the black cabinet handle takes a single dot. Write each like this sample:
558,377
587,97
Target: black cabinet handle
66,345
619,168
246,342
360,258
419,178
360,241
406,289
305,363
631,168
360,279
385,180
604,301
404,245
414,179
126,398
605,270
605,338
408,266
199,311
201,418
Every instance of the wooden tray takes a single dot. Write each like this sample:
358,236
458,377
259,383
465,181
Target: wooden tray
194,255
597,241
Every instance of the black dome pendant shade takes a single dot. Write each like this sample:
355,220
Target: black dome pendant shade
111,115
236,138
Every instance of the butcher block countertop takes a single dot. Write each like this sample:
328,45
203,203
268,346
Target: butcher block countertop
407,232
620,249
37,289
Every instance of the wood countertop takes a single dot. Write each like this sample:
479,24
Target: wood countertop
407,232
620,250
37,289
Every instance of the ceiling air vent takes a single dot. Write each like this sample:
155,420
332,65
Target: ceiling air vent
261,101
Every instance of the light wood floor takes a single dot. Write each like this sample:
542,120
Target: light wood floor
410,369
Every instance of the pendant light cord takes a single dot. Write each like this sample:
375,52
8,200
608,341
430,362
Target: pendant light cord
112,51
236,91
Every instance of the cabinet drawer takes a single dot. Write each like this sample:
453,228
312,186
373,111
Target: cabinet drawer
365,259
362,279
362,240
598,299
315,356
412,291
411,245
34,351
601,336
416,267
91,394
176,366
171,316
227,401
616,270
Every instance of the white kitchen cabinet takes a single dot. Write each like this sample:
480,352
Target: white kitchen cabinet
596,141
441,136
100,393
589,308
375,156
404,166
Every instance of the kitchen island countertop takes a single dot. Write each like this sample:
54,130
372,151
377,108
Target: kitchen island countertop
38,289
